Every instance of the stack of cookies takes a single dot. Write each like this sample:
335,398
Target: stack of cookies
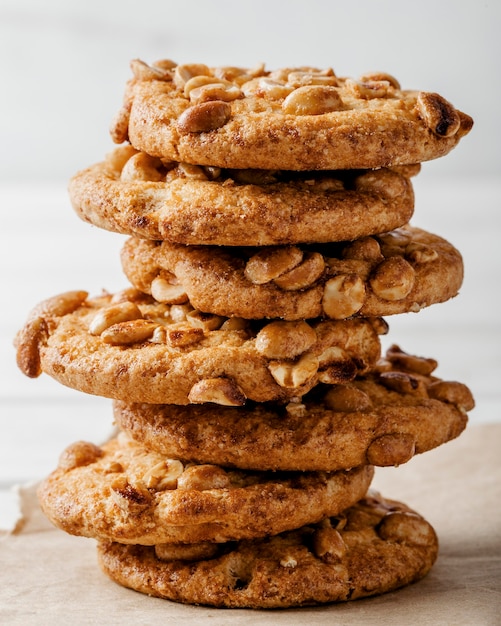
268,220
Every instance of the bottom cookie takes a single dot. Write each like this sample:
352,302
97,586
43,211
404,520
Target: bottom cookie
374,547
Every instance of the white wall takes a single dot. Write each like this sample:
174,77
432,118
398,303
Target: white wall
64,63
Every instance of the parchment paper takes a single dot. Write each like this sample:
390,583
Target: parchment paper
48,577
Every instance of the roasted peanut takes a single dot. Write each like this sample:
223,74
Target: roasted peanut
438,114
164,291
125,333
393,279
270,263
163,475
347,398
114,314
344,295
312,100
218,391
204,117
303,275
290,374
406,527
203,477
285,340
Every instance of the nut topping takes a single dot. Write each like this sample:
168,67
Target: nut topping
266,87
368,89
207,89
364,249
299,78
205,321
285,340
452,392
336,366
347,398
204,117
403,383
405,527
125,333
79,454
163,475
270,263
203,477
142,166
303,275
217,390
292,375
312,100
143,71
393,279
344,295
130,498
114,314
410,362
163,291
380,76
438,114
182,337
328,545
183,73
392,449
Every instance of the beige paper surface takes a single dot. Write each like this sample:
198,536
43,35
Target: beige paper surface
48,577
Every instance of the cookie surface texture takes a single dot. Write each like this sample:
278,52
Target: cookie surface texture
136,194
383,418
401,271
291,118
317,564
124,492
129,347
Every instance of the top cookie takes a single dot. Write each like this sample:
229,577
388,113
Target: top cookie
292,118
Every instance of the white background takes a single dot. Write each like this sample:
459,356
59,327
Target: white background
63,69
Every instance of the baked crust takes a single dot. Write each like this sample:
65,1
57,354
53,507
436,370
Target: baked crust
292,118
401,271
129,347
376,546
124,492
383,418
135,194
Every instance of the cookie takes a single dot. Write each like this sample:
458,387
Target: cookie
133,193
129,347
291,118
378,545
404,270
124,492
383,418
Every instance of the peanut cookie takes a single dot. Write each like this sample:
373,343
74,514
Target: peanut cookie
376,546
292,118
384,418
396,272
136,194
130,347
124,492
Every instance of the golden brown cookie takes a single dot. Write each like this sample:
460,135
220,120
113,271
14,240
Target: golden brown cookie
124,492
133,193
384,418
291,118
374,547
401,271
129,347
